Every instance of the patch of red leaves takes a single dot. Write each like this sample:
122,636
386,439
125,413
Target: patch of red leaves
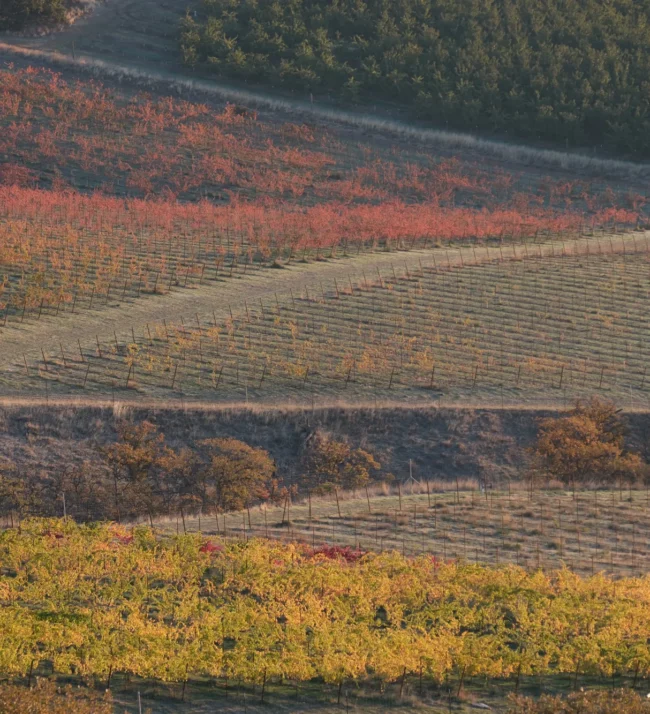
52,534
337,552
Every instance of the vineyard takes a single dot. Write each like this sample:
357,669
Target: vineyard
99,601
164,261
235,315
589,531
515,322
59,249
82,135
187,194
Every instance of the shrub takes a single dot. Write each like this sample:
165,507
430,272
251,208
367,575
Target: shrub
586,445
16,14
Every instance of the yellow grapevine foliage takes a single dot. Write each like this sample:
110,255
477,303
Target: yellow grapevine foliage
96,599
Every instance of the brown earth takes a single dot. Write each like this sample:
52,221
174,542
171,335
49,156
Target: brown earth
442,443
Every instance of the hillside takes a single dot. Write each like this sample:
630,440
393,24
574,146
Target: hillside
573,72
307,401
171,248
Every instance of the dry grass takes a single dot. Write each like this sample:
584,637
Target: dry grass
593,531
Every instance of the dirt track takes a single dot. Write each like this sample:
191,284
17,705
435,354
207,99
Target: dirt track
128,31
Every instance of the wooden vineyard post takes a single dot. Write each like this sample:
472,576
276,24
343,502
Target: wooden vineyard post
428,495
399,494
284,510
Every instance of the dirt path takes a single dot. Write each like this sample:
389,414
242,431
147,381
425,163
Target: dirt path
128,31
218,299
273,404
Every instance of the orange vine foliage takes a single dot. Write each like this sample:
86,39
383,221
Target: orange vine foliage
99,187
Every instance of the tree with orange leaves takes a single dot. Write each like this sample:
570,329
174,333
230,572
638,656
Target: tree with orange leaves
588,444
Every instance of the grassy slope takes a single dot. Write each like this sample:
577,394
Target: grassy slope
598,530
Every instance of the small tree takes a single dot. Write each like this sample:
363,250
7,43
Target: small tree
134,461
179,479
586,445
235,474
332,464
